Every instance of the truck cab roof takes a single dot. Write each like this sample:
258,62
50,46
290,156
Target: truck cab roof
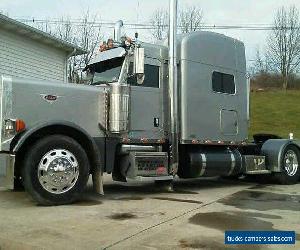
202,46
205,47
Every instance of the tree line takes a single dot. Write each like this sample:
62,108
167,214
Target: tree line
87,33
84,34
190,19
278,65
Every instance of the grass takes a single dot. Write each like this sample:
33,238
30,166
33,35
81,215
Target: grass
275,112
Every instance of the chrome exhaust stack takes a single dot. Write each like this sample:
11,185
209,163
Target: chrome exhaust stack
119,95
173,87
117,31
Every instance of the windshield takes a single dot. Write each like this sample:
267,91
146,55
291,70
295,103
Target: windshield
107,71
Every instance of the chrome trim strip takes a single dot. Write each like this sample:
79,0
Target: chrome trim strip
233,163
204,142
259,172
203,156
127,148
6,110
147,179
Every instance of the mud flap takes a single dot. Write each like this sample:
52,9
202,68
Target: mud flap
7,163
97,177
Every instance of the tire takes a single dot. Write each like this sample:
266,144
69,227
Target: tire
18,184
290,166
56,170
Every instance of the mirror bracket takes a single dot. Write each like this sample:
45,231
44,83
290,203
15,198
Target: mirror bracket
139,67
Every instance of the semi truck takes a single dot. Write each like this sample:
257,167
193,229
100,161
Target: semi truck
151,111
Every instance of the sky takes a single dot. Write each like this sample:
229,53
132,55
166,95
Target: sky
216,12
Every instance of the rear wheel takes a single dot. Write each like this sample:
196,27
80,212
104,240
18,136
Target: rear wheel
290,170
56,170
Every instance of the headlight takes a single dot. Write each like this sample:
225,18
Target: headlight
13,126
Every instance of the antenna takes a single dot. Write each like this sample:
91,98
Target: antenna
137,16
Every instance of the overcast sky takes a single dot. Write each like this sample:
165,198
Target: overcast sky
218,12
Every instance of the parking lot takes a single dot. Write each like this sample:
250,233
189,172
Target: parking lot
144,216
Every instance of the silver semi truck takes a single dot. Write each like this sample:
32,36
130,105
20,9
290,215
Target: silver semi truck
138,118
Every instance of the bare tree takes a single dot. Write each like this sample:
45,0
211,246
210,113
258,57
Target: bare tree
84,33
159,22
88,37
190,19
64,30
261,64
284,43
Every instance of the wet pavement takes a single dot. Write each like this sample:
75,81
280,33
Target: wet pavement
144,216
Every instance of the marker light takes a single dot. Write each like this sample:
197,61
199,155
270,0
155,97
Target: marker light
20,125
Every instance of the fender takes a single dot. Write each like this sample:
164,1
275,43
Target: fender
273,150
94,154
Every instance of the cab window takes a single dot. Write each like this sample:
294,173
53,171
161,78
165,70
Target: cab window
107,72
151,76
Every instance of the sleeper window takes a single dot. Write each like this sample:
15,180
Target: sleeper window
223,83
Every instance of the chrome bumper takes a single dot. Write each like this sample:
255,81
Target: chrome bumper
7,166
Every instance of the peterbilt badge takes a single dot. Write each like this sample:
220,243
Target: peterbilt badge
49,98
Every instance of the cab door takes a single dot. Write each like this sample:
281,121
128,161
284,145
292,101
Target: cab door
146,107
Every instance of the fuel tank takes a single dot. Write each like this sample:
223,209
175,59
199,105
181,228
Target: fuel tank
210,162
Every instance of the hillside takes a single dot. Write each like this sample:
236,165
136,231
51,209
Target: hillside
276,112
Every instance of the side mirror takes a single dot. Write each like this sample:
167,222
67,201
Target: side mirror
139,64
87,76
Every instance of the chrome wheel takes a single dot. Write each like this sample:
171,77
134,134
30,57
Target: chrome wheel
291,162
58,171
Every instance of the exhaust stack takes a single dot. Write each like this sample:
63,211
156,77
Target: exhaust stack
173,86
117,31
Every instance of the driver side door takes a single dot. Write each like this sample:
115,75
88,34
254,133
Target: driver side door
146,107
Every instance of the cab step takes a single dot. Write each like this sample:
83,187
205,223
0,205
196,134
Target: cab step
145,164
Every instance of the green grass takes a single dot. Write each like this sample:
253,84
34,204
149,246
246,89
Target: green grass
275,112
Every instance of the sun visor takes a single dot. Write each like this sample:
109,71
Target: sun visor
106,55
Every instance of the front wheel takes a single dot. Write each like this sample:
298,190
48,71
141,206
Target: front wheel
56,170
290,170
